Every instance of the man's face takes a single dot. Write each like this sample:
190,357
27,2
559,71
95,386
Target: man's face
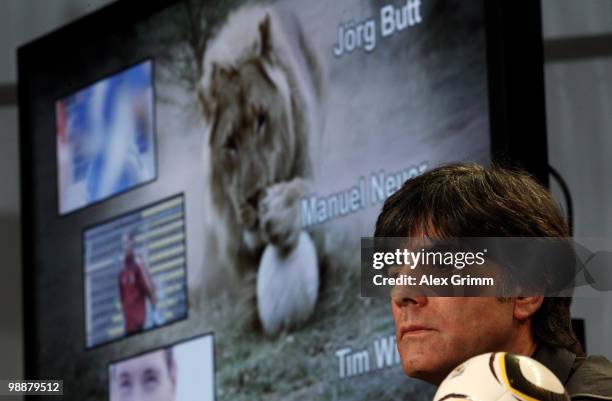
127,242
435,334
146,378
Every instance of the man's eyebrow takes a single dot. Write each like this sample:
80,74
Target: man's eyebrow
396,270
151,370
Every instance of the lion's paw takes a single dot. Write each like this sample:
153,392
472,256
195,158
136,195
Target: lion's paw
279,214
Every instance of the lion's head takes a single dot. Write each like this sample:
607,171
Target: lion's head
252,104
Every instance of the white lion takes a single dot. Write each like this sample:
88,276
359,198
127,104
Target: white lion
260,94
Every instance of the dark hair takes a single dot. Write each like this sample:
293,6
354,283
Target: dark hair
468,200
170,364
169,358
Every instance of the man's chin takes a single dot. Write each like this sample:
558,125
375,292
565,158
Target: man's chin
426,370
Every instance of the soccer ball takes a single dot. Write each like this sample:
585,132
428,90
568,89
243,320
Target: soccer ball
500,376
287,286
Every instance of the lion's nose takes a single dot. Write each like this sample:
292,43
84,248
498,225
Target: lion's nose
248,217
249,210
253,200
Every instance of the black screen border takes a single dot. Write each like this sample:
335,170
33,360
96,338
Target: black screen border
79,33
517,99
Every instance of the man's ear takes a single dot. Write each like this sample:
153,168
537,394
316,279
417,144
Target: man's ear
525,307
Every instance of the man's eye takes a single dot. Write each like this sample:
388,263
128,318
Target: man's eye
394,271
150,380
125,384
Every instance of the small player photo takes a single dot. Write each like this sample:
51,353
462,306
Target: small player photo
180,372
105,138
135,272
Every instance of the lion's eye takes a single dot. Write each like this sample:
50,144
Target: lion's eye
230,146
261,121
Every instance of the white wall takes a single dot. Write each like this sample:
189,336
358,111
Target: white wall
579,118
24,20
20,21
11,339
562,18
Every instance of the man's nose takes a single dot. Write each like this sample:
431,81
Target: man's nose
409,300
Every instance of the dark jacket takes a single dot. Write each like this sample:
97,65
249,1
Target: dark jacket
584,378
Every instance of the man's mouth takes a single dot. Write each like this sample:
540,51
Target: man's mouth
414,330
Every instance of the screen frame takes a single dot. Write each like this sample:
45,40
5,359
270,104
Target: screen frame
515,58
51,46
516,94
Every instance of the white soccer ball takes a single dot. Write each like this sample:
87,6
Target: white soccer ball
500,376
287,285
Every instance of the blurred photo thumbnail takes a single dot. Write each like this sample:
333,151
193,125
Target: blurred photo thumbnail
135,272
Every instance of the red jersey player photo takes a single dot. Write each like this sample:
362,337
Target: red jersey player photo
135,286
